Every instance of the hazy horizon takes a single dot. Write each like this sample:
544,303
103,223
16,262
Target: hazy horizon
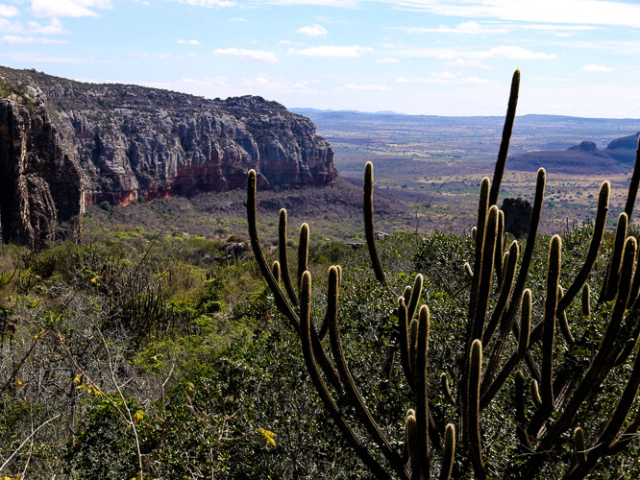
419,57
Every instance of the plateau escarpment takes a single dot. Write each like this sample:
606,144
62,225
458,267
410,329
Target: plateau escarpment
617,157
119,143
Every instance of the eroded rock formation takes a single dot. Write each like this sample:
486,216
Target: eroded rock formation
39,184
88,143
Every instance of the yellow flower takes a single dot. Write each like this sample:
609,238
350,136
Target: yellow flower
138,416
77,378
267,437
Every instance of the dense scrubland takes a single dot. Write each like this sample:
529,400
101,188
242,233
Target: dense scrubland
127,351
124,355
147,344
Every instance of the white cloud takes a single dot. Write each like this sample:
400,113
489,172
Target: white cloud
585,12
239,19
249,55
467,64
8,10
16,40
31,58
445,75
512,51
470,27
503,51
366,88
266,83
209,3
55,27
387,60
163,55
570,28
333,51
189,42
322,3
313,30
444,78
597,68
32,28
208,81
68,8
596,12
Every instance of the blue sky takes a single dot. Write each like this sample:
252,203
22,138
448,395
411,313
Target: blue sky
440,57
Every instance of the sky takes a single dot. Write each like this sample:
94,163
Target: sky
430,57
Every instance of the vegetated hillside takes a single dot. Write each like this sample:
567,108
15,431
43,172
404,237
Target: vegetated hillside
335,213
68,144
617,157
149,355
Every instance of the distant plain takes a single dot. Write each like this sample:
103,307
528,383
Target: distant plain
427,174
438,162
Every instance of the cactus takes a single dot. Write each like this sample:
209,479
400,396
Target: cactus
284,258
497,296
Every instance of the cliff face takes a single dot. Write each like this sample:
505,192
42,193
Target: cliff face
126,142
39,184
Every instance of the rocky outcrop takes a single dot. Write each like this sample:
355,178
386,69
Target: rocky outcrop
585,146
39,184
126,143
585,158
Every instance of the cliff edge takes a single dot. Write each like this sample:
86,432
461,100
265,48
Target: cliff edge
66,144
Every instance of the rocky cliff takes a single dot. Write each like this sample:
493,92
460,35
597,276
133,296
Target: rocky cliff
66,144
39,184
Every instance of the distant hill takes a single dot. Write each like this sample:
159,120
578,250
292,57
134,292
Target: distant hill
617,157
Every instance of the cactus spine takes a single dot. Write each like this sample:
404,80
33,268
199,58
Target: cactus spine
284,258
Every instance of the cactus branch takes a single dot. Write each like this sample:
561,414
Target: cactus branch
405,349
475,441
252,219
369,227
610,285
548,336
506,136
284,258
521,429
422,404
562,320
306,329
303,252
416,291
352,391
449,452
633,185
594,247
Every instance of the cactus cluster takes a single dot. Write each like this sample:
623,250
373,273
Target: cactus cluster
556,389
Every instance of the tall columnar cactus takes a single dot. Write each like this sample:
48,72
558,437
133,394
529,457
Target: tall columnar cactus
500,345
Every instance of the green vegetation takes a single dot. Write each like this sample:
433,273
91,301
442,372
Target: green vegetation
132,350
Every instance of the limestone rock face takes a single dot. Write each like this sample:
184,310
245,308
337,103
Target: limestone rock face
126,142
39,184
